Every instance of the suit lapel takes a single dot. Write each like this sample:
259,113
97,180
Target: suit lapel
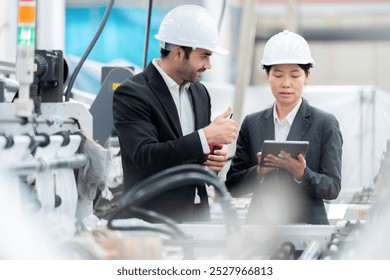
161,91
301,122
198,111
267,125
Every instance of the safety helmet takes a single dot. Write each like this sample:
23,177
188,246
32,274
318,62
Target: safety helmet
190,26
286,47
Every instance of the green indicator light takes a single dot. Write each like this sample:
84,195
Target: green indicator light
26,36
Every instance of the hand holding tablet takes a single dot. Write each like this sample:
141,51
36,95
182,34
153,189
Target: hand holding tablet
292,148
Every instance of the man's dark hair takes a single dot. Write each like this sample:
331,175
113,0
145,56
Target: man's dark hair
305,67
187,52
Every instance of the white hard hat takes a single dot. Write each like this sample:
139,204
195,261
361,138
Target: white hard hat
286,48
190,26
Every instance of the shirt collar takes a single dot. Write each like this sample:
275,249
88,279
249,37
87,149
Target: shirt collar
291,116
168,80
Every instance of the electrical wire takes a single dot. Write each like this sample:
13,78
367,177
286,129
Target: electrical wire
146,213
170,182
162,175
85,55
174,233
222,15
179,176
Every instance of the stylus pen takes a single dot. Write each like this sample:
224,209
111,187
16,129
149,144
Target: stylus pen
231,116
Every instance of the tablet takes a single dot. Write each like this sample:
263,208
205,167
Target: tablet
291,147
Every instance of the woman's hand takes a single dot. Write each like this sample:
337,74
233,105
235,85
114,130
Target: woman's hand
296,166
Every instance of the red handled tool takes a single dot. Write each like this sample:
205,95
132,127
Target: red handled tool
213,147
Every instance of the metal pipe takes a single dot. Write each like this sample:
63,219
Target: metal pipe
361,131
39,120
373,132
40,165
312,251
10,84
25,56
147,33
245,55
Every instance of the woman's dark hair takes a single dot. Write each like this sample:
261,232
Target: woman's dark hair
187,52
305,67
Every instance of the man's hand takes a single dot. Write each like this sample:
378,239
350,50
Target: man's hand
217,160
222,130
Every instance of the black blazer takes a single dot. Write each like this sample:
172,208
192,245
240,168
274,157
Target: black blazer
151,140
302,203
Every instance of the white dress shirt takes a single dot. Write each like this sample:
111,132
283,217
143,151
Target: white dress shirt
185,110
282,127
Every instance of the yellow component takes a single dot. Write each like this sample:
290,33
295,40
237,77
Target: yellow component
115,86
362,214
27,14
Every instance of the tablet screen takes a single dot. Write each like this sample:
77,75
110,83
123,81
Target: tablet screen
291,147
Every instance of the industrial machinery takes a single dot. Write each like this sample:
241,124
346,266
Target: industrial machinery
45,148
55,163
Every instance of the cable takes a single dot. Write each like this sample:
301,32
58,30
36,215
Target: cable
153,183
178,176
85,55
222,15
177,170
146,213
176,232
147,33
170,182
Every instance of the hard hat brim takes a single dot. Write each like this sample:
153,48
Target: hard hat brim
263,64
219,50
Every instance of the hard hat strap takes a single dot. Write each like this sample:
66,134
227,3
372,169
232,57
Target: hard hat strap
167,46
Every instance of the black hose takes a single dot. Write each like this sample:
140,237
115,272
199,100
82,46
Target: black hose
174,181
85,55
178,176
174,233
162,175
146,213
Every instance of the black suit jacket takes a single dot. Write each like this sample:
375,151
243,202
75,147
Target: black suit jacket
301,203
151,140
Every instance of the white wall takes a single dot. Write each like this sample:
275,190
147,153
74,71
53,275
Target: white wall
50,27
342,63
362,112
8,30
51,24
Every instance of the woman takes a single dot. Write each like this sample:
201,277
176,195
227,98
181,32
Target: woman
293,190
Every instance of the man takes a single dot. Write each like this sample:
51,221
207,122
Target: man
162,115
293,189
